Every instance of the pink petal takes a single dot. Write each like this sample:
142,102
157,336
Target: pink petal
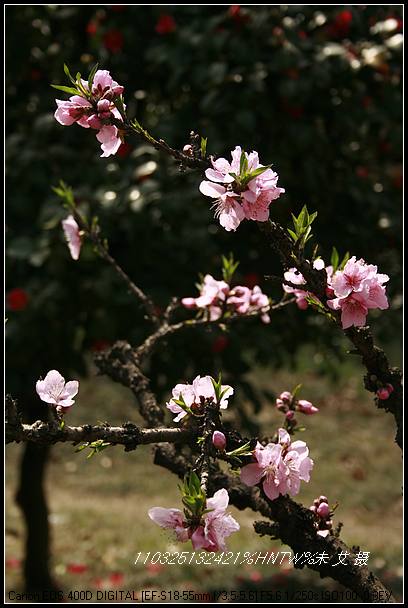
251,474
212,190
220,500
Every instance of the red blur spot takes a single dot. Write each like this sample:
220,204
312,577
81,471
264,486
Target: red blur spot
166,24
77,568
99,345
220,344
92,28
113,41
154,568
17,299
124,150
13,563
251,279
116,579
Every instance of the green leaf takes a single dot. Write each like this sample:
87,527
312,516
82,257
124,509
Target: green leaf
68,73
293,235
203,147
344,260
120,106
70,90
296,390
334,260
92,76
243,164
257,172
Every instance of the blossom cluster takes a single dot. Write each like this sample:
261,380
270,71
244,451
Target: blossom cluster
357,288
279,466
95,108
209,533
242,189
288,404
191,397
322,512
217,297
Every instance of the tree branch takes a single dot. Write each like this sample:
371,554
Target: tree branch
129,435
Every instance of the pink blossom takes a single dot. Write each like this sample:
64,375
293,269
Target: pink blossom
95,110
193,394
215,526
110,140
306,407
217,297
53,389
172,519
235,201
72,235
76,109
353,310
219,441
358,288
279,466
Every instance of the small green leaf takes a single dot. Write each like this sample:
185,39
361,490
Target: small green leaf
203,147
257,172
243,164
293,235
68,73
334,260
344,261
92,76
70,90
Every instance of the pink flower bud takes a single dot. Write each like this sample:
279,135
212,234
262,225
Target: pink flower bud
188,149
219,440
302,303
323,510
290,415
312,508
322,499
280,405
286,396
94,122
103,106
306,407
118,90
188,302
329,523
389,388
383,393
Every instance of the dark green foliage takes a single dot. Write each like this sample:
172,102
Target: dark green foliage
281,80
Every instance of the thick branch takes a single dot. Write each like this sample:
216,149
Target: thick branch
129,435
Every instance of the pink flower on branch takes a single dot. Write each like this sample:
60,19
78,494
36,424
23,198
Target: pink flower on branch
218,298
72,235
280,467
358,288
210,533
95,109
242,189
54,390
188,398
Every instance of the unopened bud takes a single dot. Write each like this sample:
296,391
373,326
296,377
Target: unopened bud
188,149
286,396
389,388
306,407
219,440
323,510
383,393
290,415
322,498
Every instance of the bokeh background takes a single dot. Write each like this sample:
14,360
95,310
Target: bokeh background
317,91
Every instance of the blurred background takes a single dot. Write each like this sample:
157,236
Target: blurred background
317,91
